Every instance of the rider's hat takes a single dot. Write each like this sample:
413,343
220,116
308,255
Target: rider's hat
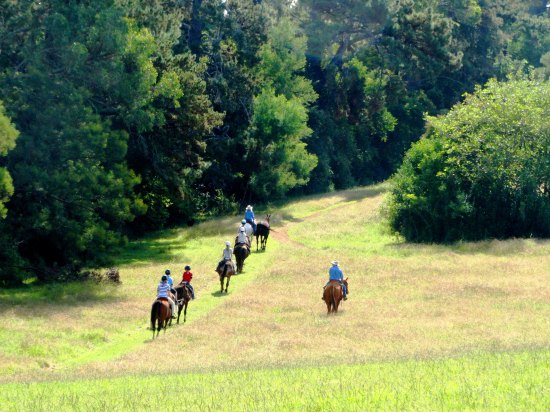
243,222
164,278
334,263
242,229
187,267
167,271
249,207
227,243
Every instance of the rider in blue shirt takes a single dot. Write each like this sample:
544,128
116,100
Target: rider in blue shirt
170,282
249,217
335,273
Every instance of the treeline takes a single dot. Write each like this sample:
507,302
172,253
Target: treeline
123,116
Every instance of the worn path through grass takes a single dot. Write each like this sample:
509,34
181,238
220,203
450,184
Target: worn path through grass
406,301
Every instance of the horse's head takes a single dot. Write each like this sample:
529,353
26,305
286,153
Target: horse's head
267,217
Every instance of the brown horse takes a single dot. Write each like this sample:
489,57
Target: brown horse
241,252
225,270
184,296
262,232
333,294
161,312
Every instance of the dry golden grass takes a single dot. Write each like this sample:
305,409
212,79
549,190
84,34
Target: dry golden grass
405,301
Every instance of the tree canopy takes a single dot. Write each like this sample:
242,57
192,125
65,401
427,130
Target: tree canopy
482,170
134,115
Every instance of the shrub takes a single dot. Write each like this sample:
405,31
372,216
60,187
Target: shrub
482,170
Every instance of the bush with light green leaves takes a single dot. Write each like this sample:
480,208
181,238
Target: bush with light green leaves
481,171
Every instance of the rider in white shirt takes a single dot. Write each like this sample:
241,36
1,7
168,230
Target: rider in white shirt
242,238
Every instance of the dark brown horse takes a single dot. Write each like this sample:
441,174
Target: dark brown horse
241,252
184,296
333,294
225,270
262,232
161,312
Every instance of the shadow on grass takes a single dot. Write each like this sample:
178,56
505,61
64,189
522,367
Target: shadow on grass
350,195
218,294
73,294
154,248
492,247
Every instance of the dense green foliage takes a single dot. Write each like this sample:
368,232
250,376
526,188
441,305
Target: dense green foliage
483,170
134,115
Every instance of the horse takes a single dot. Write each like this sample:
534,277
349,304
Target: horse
241,252
249,230
225,270
262,232
161,312
184,296
333,294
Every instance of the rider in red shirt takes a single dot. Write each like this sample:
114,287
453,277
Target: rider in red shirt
187,276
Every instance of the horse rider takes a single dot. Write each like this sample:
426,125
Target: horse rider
226,256
336,274
242,238
170,282
249,218
163,291
186,279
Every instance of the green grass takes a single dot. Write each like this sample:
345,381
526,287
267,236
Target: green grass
58,327
269,340
506,381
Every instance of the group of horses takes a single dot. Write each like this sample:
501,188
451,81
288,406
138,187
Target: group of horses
242,251
161,311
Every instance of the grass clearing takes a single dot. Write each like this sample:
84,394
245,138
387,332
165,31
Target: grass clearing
407,301
506,381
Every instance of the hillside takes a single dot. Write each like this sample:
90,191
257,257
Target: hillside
406,301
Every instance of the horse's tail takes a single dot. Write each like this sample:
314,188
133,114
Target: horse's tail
154,313
333,298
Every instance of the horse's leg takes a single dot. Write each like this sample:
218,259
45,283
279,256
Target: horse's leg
227,283
257,237
221,283
185,312
179,313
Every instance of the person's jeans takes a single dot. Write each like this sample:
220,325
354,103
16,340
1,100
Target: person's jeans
253,224
344,287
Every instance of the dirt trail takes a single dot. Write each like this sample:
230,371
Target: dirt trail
281,235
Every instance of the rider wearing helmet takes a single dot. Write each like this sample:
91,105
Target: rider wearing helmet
242,238
187,276
226,256
249,217
163,291
170,281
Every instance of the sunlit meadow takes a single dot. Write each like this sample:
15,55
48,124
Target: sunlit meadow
426,326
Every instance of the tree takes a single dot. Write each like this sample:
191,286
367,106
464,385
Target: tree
482,170
276,154
8,135
70,82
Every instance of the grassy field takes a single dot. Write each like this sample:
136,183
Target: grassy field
508,382
425,325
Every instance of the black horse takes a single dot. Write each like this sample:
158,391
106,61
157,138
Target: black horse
262,232
241,252
184,296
